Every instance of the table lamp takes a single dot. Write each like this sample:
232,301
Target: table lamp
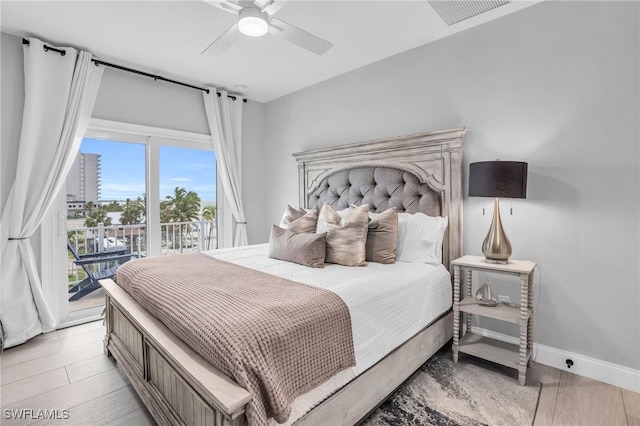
497,179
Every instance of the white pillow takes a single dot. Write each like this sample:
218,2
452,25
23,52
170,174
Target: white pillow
420,238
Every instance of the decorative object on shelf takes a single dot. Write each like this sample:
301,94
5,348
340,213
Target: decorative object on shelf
484,295
497,179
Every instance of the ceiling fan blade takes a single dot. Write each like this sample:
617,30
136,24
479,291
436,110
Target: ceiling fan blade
223,42
298,37
270,7
226,5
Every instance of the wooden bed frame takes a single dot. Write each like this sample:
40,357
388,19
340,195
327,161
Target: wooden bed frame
179,387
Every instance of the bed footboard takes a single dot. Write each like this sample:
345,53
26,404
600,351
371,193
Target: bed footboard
177,386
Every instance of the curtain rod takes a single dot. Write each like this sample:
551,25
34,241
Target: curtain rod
62,52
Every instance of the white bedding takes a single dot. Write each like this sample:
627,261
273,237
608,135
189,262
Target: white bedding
389,304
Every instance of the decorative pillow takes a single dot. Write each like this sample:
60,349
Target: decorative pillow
304,249
300,220
346,236
420,238
382,236
290,214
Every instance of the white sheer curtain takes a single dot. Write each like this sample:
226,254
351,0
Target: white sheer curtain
60,92
224,116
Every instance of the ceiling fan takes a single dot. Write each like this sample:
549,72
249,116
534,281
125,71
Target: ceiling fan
255,19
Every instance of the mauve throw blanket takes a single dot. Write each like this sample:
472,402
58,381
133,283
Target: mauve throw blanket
276,338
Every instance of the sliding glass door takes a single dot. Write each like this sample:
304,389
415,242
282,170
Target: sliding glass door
127,196
106,211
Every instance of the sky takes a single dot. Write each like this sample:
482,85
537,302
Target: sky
123,170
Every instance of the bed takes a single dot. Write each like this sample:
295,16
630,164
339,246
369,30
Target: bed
417,173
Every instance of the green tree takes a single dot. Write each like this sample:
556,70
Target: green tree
165,211
133,212
184,205
88,206
97,216
77,240
114,206
181,206
209,214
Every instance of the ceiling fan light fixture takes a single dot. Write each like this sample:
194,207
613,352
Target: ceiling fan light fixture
252,22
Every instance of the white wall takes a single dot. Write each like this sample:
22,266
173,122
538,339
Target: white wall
555,85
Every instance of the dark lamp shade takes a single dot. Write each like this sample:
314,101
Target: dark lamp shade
498,179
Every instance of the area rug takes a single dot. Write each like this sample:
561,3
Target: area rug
472,392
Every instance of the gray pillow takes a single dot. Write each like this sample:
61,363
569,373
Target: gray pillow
382,237
346,236
302,248
300,220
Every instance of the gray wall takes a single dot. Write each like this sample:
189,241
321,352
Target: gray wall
12,104
253,170
131,98
555,85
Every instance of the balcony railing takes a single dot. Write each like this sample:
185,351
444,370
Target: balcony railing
176,237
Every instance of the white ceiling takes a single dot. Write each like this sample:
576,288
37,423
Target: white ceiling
167,37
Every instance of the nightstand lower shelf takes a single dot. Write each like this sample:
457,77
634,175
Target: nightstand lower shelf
503,353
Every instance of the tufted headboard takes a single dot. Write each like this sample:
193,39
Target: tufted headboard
416,173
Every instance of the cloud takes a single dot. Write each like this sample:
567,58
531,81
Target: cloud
126,187
121,191
201,166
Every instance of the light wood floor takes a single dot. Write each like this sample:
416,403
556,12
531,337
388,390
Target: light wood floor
91,300
67,369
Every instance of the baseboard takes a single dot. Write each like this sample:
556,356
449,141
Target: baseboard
603,371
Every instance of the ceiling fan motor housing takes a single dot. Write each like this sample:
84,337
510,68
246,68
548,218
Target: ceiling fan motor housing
252,22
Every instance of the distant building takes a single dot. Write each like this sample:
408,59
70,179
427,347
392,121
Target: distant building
83,181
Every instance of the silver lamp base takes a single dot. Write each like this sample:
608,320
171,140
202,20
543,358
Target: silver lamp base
496,246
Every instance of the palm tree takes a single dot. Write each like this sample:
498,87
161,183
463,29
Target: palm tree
185,205
97,216
133,212
209,214
182,206
88,206
113,206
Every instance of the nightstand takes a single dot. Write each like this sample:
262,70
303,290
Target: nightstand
514,356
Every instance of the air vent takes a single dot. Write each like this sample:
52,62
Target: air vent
454,11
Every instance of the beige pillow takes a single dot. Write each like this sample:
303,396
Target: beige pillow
304,249
382,237
290,214
300,220
346,236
